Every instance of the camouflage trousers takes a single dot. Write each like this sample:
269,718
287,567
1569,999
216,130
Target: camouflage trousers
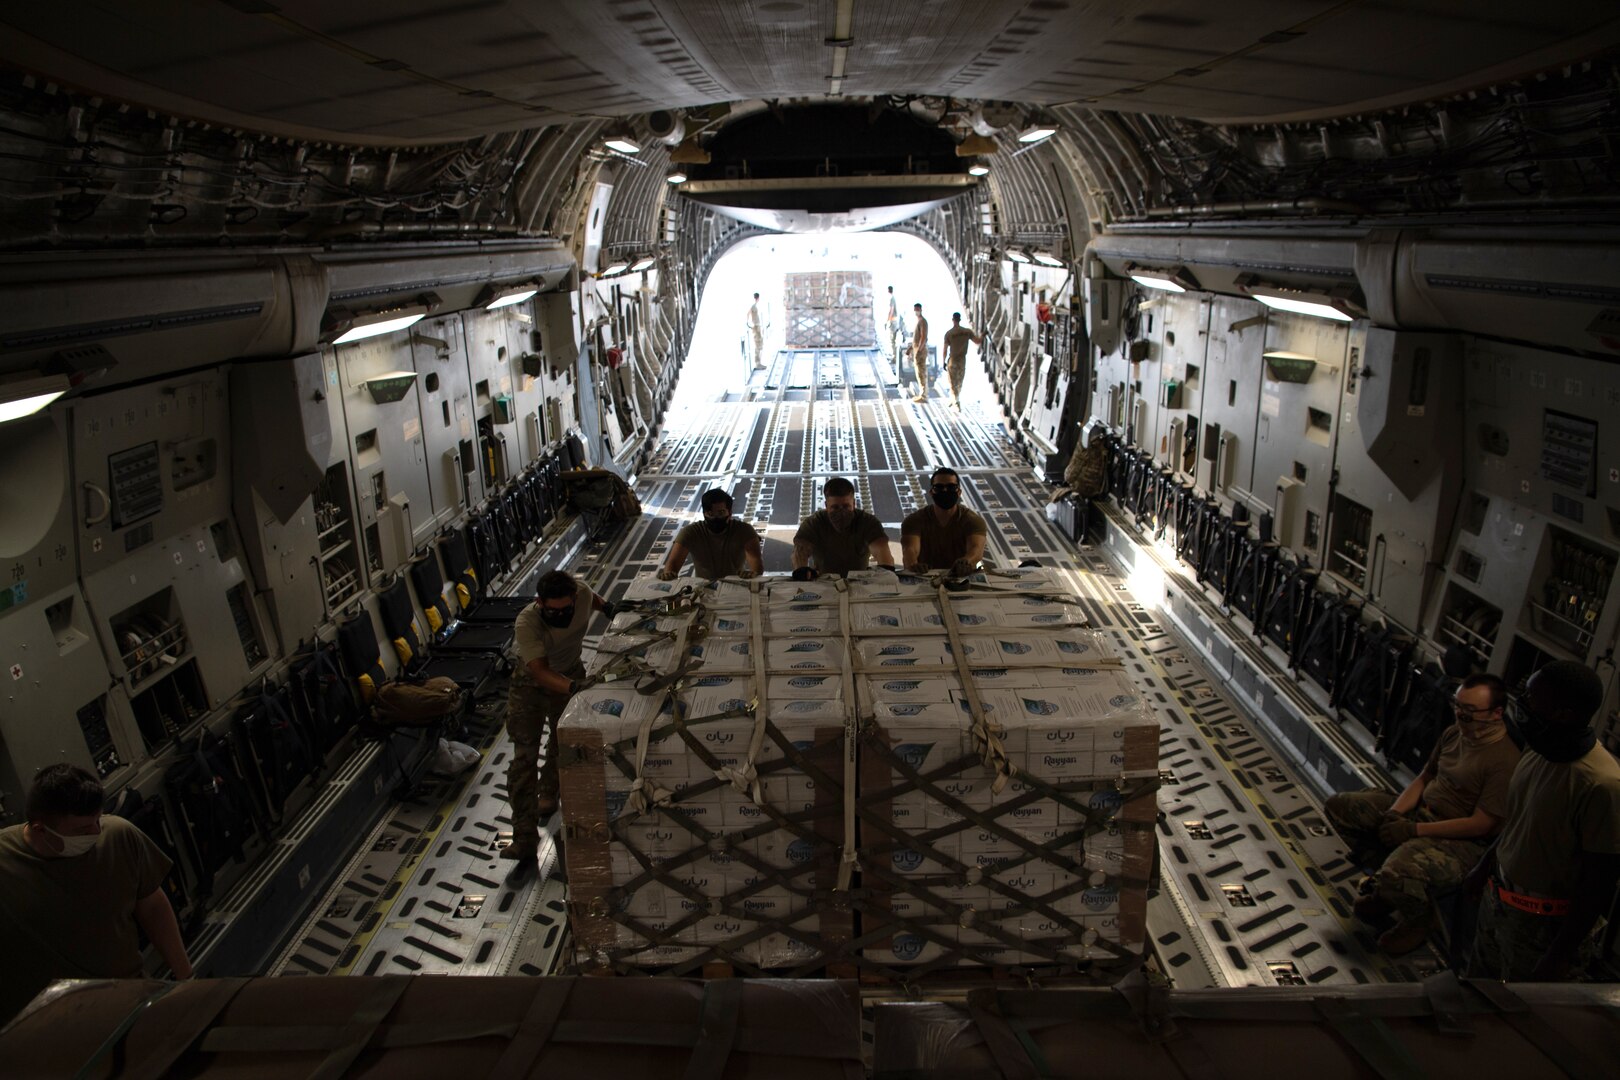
920,363
1408,876
1509,943
531,717
955,369
759,348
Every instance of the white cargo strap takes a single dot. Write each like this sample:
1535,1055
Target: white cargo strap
645,794
987,736
746,779
849,859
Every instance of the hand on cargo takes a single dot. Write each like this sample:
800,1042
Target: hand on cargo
963,567
917,568
665,574
805,573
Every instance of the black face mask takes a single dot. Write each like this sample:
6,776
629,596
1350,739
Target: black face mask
558,616
717,525
1556,742
945,497
840,518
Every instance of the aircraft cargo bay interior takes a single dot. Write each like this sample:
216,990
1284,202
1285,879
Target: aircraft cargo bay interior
809,538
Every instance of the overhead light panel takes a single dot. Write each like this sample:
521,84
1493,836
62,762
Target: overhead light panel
676,177
1046,258
377,323
622,142
499,296
25,397
1037,133
1304,303
646,262
1174,279
1017,256
615,268
979,170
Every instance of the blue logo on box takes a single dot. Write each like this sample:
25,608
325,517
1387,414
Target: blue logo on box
908,946
1100,898
1017,648
896,650
1120,701
802,707
1110,801
1039,707
801,851
616,801
805,630
803,664
728,624
913,754
899,661
1046,618
906,710
1074,648
885,620
905,860
968,618
733,703
608,707
713,680
803,682
805,646
901,686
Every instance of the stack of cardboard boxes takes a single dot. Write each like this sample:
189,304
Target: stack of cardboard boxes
720,837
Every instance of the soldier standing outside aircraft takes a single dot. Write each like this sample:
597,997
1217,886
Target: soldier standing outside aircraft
956,346
891,325
756,330
919,353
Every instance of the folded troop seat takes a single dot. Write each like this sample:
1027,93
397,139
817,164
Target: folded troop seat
472,671
410,749
447,634
503,610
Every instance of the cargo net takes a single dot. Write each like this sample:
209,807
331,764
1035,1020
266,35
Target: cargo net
829,309
872,776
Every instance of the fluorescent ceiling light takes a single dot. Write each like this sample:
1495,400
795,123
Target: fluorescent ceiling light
1154,282
1322,308
622,143
27,396
646,262
1046,258
676,177
384,325
1036,133
508,297
1017,256
616,268
978,170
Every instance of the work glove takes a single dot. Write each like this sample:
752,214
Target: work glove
917,568
665,574
1396,832
804,573
746,572
609,608
963,567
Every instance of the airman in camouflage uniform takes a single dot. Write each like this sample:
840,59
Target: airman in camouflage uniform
548,638
1429,837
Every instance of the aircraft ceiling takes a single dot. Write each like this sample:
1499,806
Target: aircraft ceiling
400,72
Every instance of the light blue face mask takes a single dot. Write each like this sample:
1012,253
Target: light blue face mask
72,846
